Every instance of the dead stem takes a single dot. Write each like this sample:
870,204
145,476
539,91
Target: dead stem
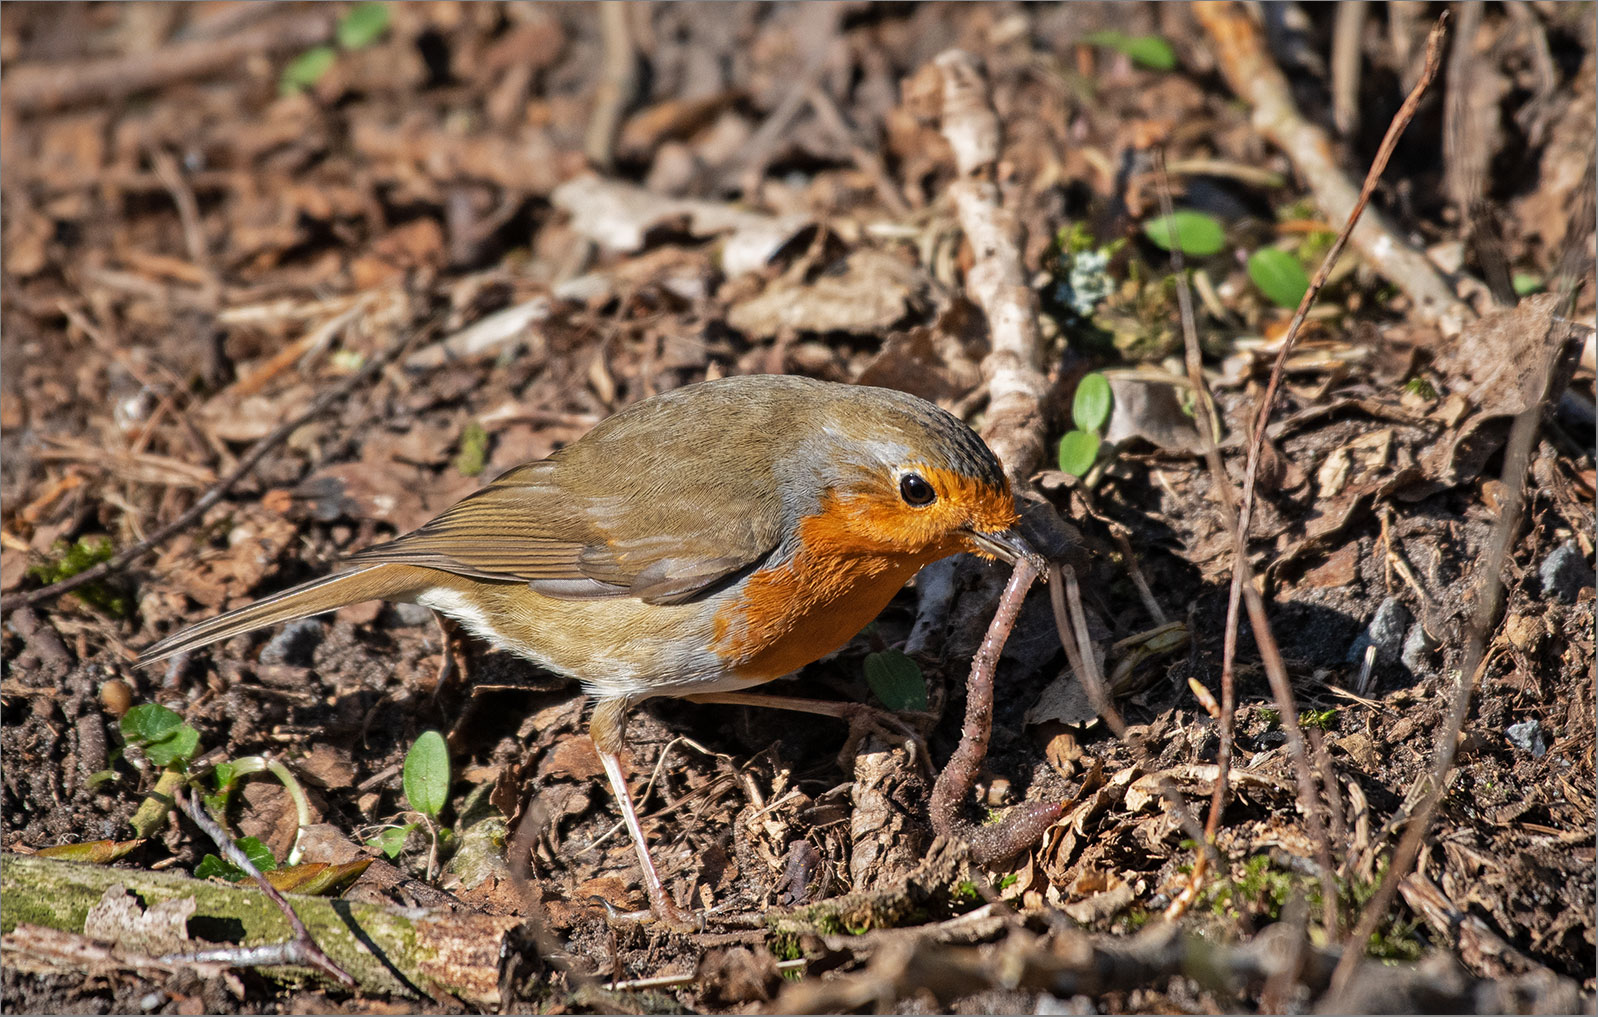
302,949
1244,59
1242,579
1490,589
216,492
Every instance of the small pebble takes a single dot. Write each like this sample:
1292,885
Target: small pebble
116,697
998,793
1564,573
1418,648
295,644
1527,736
1385,632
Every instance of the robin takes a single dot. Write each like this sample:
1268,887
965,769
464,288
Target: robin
697,544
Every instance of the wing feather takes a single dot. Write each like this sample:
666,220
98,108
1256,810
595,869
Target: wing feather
586,540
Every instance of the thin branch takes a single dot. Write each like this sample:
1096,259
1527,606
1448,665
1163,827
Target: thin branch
1070,621
617,88
1240,51
1242,579
34,88
1517,460
1347,32
998,280
218,490
302,949
1242,582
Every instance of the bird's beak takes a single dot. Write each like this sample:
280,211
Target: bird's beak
1008,545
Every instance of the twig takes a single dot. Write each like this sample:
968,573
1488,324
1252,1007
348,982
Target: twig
1347,32
218,490
302,949
392,950
956,87
689,977
38,88
617,88
1072,625
1470,120
1267,402
817,32
1461,930
1242,580
1240,51
171,177
1151,604
866,157
1517,459
1068,964
997,279
1244,59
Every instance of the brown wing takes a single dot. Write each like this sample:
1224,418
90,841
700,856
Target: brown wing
661,538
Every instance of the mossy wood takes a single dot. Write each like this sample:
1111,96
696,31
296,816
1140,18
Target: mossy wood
398,951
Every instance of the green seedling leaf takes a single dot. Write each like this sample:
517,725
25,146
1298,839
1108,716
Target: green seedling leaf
1279,276
259,855
226,776
148,723
307,69
391,839
1420,387
211,866
1322,720
166,740
1149,51
896,680
1191,232
319,879
1078,450
473,455
426,776
175,751
1091,406
94,852
363,25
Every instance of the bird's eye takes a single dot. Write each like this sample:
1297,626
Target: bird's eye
914,489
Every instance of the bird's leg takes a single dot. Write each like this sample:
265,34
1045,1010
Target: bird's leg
881,722
606,729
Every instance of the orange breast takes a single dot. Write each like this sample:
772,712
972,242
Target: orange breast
804,609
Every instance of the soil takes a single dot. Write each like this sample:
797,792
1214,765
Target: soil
195,253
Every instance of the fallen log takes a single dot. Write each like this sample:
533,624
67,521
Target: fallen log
414,952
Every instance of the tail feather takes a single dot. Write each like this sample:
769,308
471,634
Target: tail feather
378,582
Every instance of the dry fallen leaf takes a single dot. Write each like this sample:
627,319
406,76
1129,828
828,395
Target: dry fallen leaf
874,290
